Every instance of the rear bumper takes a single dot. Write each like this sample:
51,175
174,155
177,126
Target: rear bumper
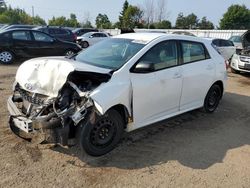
38,130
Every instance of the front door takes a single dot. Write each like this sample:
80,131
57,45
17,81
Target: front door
156,93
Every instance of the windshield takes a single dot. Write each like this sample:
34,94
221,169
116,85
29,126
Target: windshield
111,53
235,38
87,34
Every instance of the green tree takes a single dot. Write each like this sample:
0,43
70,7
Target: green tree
205,24
19,16
186,22
236,17
102,21
122,14
164,24
132,17
63,21
87,24
180,21
59,21
72,21
37,20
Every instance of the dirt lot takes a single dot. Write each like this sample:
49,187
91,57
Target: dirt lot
191,150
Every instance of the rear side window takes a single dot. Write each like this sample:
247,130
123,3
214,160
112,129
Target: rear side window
193,51
21,35
216,42
102,35
42,37
226,43
56,31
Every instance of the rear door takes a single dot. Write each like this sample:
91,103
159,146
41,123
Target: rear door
24,45
198,71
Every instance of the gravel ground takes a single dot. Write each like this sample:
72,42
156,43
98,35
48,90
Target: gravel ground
192,150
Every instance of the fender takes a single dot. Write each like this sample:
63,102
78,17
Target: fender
108,95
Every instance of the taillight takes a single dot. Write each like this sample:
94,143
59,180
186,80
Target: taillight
75,36
226,64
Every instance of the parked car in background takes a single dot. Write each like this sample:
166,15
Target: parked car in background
24,43
225,47
241,60
183,33
58,32
120,84
18,26
91,38
237,41
81,31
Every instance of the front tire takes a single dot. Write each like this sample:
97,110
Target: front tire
212,99
6,57
69,53
234,71
101,137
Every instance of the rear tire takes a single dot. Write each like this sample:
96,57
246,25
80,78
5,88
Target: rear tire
6,57
212,99
85,44
101,137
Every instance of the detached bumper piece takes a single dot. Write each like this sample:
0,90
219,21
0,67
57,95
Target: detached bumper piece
45,129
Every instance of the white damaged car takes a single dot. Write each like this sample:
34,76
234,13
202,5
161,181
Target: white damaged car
241,61
120,84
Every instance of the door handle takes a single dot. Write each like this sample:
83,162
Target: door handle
209,67
177,75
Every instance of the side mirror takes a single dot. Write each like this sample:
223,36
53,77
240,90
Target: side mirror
90,36
144,67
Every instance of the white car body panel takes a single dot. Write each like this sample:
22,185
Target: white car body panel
227,52
147,97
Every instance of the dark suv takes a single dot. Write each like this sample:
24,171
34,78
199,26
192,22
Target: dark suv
59,33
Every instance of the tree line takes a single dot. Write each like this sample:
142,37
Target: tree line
153,15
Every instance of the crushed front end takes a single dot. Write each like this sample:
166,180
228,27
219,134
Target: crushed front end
44,119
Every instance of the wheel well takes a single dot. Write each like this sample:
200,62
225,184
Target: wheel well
123,111
220,84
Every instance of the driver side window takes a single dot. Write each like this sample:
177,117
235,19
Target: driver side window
161,56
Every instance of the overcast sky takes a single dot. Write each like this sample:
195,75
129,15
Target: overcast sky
212,9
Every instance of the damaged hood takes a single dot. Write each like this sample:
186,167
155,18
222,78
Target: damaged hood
246,40
47,75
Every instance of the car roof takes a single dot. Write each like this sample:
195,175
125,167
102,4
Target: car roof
148,37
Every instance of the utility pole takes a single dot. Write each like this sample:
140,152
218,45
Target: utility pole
33,12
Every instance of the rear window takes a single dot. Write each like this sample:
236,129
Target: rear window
55,31
193,51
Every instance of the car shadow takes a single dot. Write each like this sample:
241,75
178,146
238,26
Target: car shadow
196,139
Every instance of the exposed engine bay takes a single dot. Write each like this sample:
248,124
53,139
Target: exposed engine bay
245,44
56,118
